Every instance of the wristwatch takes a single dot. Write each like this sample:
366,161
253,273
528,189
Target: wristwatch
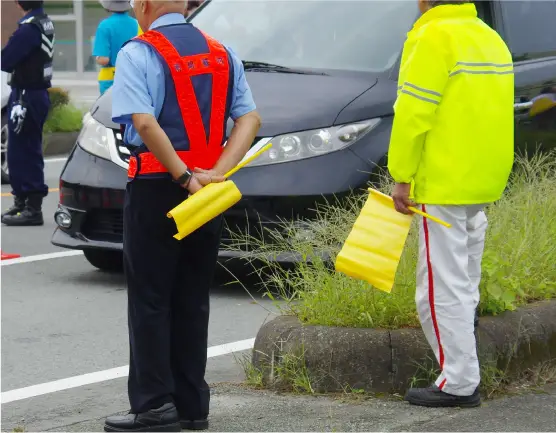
184,178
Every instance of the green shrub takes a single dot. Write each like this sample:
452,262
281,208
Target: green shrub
518,265
65,118
520,252
58,97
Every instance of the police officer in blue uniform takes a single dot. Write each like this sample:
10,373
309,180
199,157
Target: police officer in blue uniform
28,58
174,90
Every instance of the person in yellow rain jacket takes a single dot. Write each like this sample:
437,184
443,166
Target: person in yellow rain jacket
111,34
451,153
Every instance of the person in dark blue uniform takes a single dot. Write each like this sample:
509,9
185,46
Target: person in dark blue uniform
28,58
174,90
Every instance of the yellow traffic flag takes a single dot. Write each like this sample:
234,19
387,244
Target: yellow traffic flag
373,248
209,202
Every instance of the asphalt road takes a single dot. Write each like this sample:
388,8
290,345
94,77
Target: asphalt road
62,318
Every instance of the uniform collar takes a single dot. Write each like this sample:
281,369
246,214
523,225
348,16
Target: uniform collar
466,10
31,14
168,20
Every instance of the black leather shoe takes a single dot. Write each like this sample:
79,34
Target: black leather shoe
27,217
163,419
31,215
18,206
434,397
197,424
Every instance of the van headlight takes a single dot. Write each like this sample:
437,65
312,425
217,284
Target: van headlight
95,138
307,144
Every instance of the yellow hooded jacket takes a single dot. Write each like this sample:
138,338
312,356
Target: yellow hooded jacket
453,131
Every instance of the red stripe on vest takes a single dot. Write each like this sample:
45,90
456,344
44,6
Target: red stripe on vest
215,62
146,163
220,78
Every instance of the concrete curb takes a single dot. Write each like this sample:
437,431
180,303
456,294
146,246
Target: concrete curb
59,143
378,360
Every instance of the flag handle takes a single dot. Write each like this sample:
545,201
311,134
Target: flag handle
248,160
426,215
415,210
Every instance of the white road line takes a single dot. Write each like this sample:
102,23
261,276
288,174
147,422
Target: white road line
47,160
41,257
105,375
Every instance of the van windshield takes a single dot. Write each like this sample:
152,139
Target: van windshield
321,34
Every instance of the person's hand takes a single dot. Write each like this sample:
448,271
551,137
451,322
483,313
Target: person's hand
401,198
194,185
208,176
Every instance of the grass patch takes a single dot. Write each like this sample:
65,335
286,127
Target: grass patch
253,375
58,97
518,268
493,379
288,373
64,118
496,382
518,263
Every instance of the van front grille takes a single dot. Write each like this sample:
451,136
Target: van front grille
104,225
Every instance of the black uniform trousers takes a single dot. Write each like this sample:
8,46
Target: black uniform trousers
168,300
25,158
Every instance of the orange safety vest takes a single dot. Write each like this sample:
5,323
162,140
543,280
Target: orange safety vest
202,153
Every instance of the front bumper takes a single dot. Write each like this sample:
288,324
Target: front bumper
92,193
62,239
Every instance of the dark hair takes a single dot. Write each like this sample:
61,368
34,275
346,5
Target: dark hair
29,5
434,3
191,4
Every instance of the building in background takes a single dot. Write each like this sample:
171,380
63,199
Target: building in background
75,21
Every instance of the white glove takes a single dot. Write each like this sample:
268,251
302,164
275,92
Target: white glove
18,117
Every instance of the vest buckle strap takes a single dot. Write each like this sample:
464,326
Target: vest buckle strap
132,167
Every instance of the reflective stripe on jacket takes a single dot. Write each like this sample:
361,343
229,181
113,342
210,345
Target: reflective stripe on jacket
453,130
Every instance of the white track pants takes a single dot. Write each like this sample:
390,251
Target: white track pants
448,275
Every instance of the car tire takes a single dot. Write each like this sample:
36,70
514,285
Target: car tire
4,149
109,261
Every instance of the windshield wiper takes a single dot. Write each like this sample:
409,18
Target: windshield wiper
250,65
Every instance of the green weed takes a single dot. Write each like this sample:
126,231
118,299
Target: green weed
291,373
518,263
520,252
58,97
64,118
253,375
